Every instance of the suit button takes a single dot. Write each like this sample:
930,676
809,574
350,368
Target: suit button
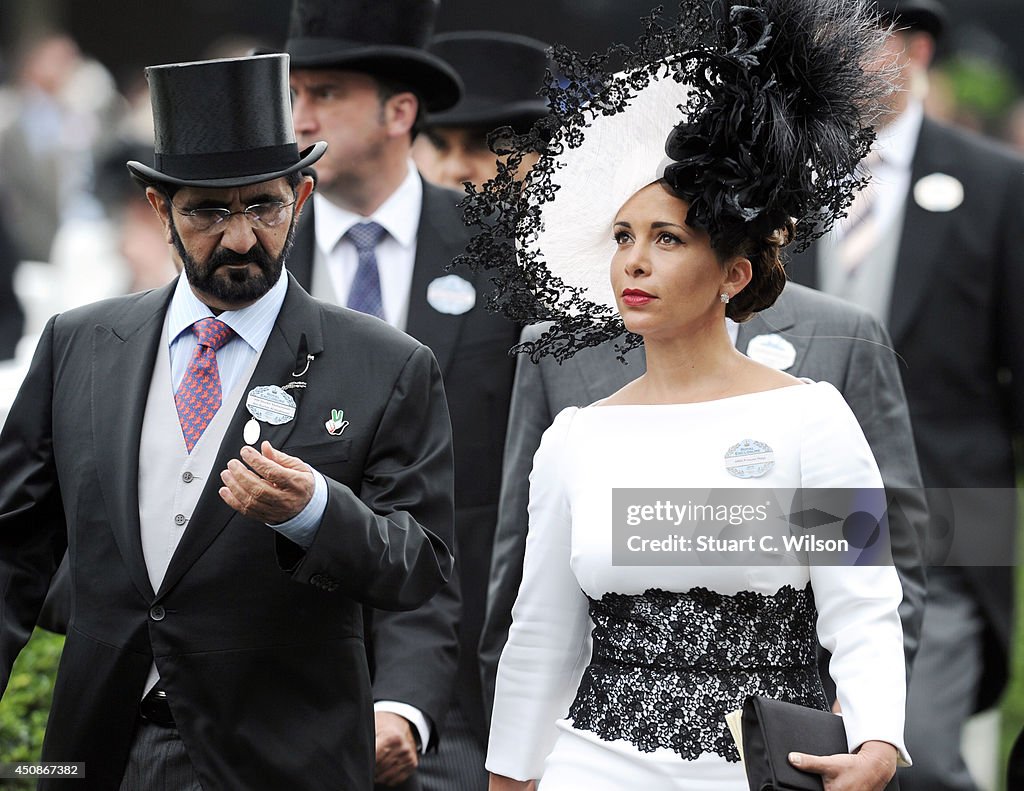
180,519
187,477
157,612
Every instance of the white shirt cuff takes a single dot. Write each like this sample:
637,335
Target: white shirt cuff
411,713
302,527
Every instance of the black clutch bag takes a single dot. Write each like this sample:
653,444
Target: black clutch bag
773,729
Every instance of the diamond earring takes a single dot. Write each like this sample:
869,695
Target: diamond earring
724,297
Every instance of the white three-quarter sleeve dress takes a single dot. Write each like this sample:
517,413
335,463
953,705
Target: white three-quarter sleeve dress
618,677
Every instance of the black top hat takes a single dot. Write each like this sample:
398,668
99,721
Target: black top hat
502,74
383,38
223,123
926,15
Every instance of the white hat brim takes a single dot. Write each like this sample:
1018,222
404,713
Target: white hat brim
620,154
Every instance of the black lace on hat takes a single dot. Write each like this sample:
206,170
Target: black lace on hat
776,115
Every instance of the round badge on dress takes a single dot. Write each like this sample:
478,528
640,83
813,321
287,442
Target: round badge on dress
451,294
938,192
270,404
772,350
749,458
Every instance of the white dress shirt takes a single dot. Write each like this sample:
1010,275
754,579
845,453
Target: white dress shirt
252,326
399,215
890,175
870,282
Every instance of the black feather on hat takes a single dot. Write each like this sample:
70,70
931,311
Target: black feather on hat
777,115
764,109
383,38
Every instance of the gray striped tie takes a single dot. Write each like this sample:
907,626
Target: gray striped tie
364,295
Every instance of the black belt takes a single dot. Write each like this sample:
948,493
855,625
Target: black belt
154,708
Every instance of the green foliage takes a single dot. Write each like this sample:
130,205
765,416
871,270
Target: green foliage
981,86
26,703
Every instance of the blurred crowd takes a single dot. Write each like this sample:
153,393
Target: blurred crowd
74,228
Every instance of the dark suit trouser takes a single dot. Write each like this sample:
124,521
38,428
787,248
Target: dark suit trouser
943,686
158,762
458,762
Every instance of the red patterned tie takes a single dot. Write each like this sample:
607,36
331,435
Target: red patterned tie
199,395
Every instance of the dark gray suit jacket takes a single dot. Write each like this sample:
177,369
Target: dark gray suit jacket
258,643
955,321
834,342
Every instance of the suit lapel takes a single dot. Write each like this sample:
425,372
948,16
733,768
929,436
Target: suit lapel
300,315
123,358
780,319
439,239
924,234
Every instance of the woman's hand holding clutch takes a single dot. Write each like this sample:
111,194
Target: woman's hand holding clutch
869,769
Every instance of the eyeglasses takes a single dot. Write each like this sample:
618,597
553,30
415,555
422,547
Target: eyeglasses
260,215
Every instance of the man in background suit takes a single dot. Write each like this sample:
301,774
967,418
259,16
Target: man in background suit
805,333
501,74
935,251
216,636
361,79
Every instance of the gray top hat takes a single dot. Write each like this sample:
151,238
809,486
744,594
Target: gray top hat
502,74
383,38
223,123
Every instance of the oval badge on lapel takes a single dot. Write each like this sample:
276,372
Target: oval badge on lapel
938,192
772,350
451,294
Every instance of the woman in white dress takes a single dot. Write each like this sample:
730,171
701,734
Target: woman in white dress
617,676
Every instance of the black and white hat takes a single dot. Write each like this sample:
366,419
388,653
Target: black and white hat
756,114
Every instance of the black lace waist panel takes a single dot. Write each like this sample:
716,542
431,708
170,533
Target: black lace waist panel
667,667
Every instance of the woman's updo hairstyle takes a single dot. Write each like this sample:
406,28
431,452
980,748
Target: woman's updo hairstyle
767,274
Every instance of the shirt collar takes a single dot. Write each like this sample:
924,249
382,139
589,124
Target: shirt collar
399,215
896,141
252,324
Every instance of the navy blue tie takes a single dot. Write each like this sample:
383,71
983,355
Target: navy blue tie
364,295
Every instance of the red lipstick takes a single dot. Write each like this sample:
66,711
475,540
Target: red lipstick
634,297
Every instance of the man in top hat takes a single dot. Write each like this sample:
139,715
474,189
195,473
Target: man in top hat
501,74
934,249
379,239
234,469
